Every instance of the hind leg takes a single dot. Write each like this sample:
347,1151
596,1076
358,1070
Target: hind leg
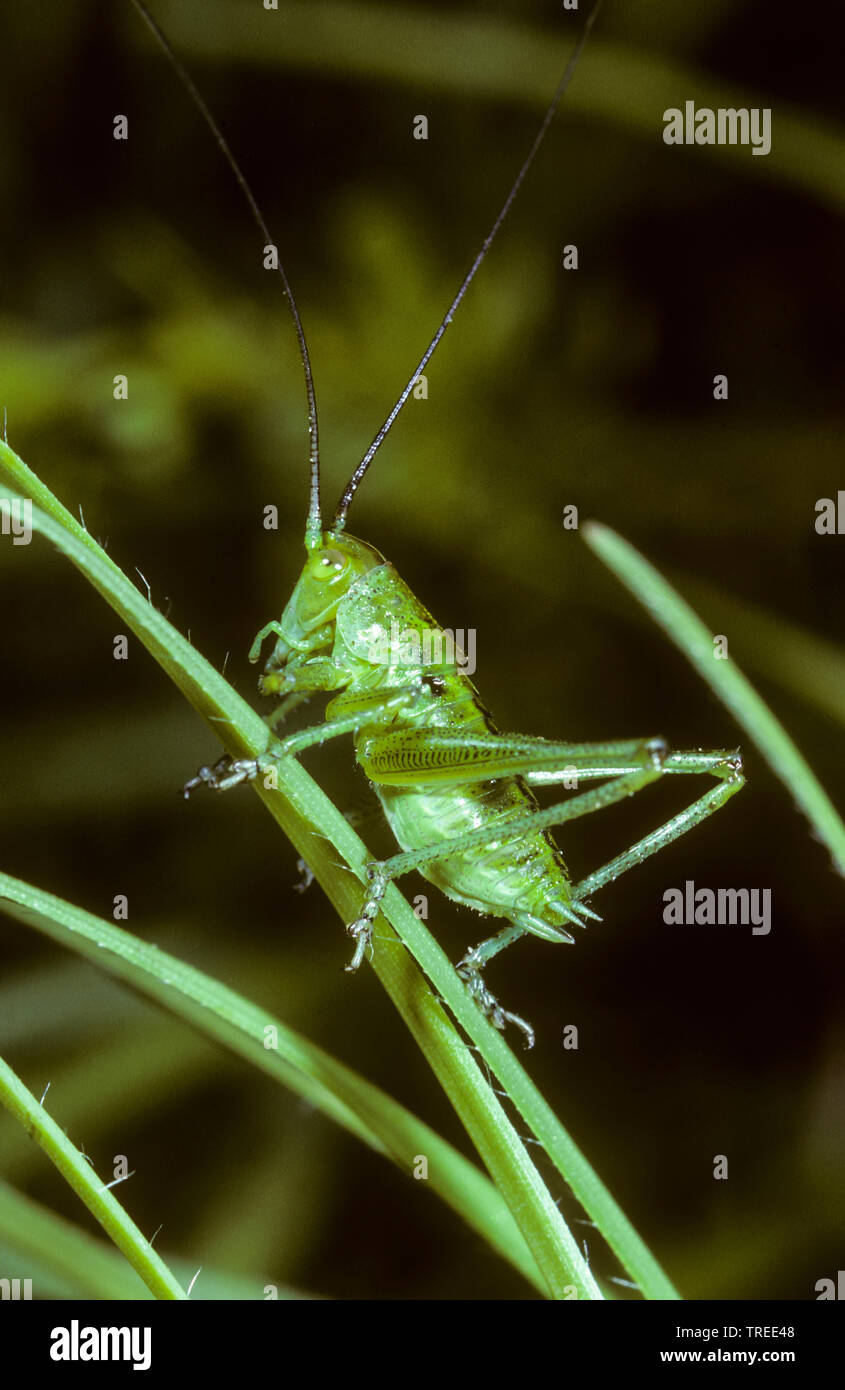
629,766
474,961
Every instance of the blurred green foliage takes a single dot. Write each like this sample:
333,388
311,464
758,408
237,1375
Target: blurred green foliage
551,387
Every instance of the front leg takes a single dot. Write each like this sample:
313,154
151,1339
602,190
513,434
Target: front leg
228,772
300,678
352,709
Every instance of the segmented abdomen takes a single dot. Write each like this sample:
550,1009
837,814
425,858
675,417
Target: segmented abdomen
508,876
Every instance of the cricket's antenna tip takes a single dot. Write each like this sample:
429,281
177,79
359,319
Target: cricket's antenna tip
260,221
551,111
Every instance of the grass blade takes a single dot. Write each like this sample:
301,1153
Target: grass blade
809,666
78,1173
226,1017
689,634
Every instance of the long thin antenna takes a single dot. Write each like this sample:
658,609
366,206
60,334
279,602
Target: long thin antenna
339,521
314,525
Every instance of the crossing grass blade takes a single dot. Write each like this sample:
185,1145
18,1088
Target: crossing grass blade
228,1018
78,1172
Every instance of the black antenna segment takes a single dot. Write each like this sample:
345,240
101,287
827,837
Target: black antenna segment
339,521
313,529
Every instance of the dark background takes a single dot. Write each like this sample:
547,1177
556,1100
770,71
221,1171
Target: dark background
592,387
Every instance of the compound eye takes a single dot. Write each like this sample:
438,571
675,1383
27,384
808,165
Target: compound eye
328,564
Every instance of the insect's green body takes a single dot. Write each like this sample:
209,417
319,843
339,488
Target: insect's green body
456,793
347,628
